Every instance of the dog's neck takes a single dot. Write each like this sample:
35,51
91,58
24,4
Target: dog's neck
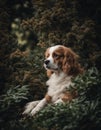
57,78
60,73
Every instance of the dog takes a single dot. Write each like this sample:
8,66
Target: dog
61,64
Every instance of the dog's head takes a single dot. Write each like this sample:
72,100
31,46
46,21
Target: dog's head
60,58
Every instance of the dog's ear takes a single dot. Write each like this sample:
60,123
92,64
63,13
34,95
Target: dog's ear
49,73
70,63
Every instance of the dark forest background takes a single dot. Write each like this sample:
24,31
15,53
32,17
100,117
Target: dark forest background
27,28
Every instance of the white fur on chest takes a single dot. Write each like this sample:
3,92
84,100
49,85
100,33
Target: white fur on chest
58,83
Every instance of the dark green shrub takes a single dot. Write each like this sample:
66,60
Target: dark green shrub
10,106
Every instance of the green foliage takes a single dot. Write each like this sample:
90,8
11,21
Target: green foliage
28,69
13,95
10,102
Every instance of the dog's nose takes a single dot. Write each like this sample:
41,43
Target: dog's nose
46,62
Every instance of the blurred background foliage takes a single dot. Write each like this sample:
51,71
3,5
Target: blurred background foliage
27,28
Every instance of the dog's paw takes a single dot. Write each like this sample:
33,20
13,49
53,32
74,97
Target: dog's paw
29,107
34,112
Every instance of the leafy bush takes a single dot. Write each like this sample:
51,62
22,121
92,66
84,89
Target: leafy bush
10,102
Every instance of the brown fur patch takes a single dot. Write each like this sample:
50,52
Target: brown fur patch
48,98
49,73
68,96
47,53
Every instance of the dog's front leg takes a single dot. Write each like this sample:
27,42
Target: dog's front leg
40,105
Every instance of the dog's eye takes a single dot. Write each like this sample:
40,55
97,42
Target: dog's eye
55,55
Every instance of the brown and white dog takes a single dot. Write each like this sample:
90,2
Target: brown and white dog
62,65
